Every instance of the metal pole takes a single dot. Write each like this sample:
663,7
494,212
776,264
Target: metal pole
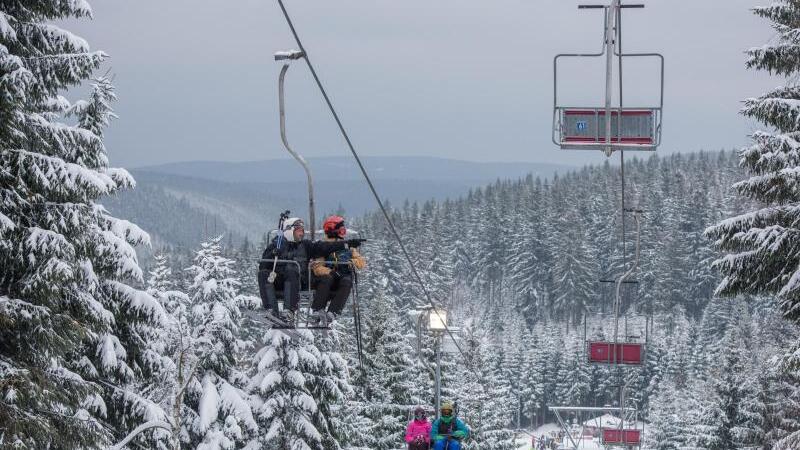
622,213
438,344
611,36
619,135
297,156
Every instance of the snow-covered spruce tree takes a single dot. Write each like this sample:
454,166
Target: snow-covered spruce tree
663,432
389,379
762,244
482,406
284,406
474,392
218,414
330,387
728,420
72,340
175,341
784,409
763,252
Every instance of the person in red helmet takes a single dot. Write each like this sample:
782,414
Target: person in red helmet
334,273
273,276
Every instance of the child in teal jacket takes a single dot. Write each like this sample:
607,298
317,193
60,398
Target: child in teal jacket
447,432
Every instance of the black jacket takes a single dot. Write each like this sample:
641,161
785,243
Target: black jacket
301,252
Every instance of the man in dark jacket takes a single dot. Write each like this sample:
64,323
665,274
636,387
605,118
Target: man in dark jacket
290,277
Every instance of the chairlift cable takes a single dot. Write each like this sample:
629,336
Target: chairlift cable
389,221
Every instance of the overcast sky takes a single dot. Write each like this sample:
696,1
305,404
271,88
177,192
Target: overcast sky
465,79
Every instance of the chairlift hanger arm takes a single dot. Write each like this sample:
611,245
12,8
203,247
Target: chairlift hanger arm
289,55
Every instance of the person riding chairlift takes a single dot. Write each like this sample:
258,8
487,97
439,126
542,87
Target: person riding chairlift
418,431
447,431
334,273
290,245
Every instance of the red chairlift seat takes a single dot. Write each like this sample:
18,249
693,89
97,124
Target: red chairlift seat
615,436
628,353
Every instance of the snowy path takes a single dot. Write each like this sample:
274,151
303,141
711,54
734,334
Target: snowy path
549,429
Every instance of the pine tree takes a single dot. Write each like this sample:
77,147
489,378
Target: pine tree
762,248
388,379
783,429
481,400
330,387
217,413
763,255
68,265
174,340
284,407
726,422
663,432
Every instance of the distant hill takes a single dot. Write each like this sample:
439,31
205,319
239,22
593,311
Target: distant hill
181,203
345,168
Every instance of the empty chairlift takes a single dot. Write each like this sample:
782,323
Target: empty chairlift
605,126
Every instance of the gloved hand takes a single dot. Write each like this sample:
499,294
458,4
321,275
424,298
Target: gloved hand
353,243
438,437
459,434
419,439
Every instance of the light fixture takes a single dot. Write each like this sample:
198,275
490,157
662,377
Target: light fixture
437,319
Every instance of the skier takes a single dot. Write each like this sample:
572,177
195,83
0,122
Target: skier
418,431
272,275
447,432
334,273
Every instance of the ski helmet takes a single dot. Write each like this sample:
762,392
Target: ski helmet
334,227
419,413
447,406
289,225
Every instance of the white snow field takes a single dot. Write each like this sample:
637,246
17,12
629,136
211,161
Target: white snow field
551,429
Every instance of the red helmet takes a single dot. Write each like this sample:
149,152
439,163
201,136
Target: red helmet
334,227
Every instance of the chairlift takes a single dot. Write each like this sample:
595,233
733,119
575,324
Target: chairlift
630,350
303,318
606,127
621,437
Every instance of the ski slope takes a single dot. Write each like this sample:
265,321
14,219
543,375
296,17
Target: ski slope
551,429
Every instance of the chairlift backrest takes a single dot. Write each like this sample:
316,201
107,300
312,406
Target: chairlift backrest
626,353
626,437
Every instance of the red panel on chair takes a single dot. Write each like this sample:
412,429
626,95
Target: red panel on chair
621,437
614,140
602,112
626,353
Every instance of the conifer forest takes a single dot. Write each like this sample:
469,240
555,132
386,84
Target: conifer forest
112,338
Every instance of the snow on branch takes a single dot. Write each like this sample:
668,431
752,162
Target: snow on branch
140,429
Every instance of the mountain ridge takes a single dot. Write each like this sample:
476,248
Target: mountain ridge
345,168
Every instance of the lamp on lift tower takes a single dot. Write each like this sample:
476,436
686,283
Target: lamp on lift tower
437,320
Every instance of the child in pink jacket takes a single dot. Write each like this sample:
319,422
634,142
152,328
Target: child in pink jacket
419,431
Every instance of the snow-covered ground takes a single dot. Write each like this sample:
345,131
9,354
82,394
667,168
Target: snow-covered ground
550,430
